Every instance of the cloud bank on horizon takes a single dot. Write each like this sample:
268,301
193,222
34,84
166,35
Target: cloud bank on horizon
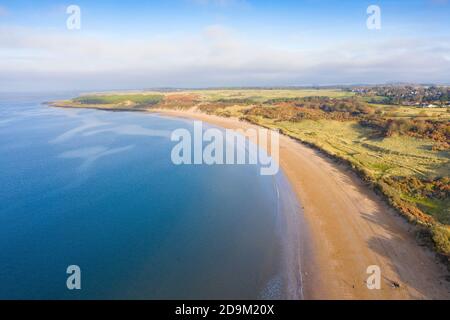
206,43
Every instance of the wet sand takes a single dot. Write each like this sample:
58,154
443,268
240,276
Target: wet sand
348,228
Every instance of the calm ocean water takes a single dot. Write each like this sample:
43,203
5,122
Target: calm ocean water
98,189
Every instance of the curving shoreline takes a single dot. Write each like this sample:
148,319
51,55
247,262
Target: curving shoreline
349,228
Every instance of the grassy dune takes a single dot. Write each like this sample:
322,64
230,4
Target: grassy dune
379,159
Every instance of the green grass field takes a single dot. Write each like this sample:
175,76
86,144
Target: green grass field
379,158
260,95
414,112
125,99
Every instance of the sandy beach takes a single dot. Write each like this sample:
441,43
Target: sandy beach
349,229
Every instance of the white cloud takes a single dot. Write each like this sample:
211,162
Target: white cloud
217,56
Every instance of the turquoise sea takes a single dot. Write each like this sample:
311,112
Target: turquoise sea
98,189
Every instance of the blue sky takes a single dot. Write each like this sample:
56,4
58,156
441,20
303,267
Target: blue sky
198,43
